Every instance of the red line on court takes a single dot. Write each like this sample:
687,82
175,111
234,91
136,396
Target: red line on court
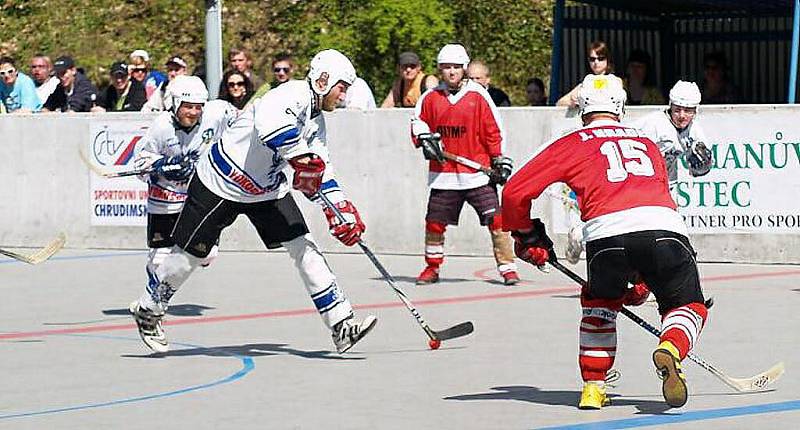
287,313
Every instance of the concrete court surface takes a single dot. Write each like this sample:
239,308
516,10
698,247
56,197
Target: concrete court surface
248,350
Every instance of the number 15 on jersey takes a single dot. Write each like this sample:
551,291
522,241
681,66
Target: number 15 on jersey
626,157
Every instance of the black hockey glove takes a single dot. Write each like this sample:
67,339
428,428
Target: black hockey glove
176,168
534,247
700,159
501,169
431,146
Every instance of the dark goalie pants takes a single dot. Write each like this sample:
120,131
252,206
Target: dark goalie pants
665,262
278,223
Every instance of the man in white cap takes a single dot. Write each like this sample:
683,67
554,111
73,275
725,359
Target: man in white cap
632,230
460,117
176,66
679,135
243,173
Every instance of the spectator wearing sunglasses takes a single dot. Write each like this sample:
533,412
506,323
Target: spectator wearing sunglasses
282,70
141,71
17,90
42,74
598,57
410,83
236,88
74,92
176,66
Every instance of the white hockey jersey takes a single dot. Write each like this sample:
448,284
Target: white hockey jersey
670,141
166,138
247,163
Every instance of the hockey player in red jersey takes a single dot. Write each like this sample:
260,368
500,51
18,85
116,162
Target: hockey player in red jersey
459,117
632,229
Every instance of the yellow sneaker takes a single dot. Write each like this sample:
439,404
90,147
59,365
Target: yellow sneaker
593,396
668,368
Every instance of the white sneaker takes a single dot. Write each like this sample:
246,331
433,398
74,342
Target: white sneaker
149,323
349,331
574,245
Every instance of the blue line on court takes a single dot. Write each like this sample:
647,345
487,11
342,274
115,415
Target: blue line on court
82,257
247,366
707,414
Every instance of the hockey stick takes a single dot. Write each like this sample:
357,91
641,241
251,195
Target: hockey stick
41,255
467,162
457,330
108,173
755,383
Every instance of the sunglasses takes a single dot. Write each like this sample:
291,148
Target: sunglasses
235,84
593,59
138,69
281,69
7,72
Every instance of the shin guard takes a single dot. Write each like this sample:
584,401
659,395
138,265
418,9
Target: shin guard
598,337
319,280
503,251
167,276
682,326
434,243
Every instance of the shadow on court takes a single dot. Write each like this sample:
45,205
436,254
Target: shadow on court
249,350
536,395
181,310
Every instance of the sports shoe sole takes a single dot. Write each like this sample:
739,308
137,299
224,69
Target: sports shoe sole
367,325
588,405
673,386
156,345
427,282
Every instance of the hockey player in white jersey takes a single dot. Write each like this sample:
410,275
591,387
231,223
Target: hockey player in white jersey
175,141
678,134
242,173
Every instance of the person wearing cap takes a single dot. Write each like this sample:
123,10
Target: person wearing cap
17,90
459,116
123,93
141,71
410,84
176,66
74,92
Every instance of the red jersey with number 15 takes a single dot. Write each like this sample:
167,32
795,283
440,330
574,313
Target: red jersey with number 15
617,173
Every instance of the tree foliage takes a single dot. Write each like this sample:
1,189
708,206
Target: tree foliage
512,37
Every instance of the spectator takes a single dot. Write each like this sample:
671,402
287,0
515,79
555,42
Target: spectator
717,88
235,88
17,90
142,72
410,84
478,71
241,61
359,96
640,81
600,63
42,74
282,71
534,92
176,66
123,93
74,92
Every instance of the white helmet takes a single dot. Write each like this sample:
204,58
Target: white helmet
190,89
337,66
602,93
685,94
453,53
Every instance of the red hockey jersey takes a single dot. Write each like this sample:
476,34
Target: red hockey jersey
617,173
470,127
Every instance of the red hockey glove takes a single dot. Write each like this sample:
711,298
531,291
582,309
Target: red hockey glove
350,232
534,247
637,295
307,175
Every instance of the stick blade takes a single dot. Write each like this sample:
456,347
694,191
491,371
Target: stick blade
455,331
761,381
40,255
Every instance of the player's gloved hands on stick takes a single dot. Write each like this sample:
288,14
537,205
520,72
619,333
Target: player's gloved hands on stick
501,169
534,246
431,144
308,171
175,168
700,159
636,295
349,232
